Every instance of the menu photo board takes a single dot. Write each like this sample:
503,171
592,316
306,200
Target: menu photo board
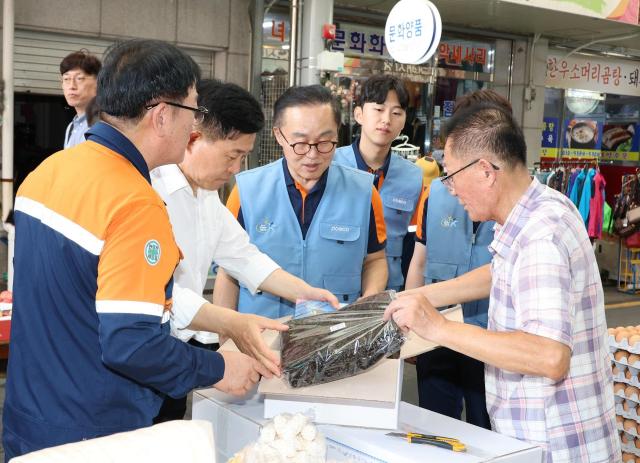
620,141
582,137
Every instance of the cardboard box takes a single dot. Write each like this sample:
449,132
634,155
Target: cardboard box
370,399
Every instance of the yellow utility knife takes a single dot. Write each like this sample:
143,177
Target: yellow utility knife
437,441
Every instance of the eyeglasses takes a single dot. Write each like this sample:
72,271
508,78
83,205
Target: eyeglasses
198,113
301,148
446,180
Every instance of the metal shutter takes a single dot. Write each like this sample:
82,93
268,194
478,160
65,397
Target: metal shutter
37,57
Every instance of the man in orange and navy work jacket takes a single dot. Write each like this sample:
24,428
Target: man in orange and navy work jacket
91,352
320,221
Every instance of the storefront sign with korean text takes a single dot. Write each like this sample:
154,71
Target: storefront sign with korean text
590,73
549,142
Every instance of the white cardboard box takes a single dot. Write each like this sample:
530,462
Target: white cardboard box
237,423
370,399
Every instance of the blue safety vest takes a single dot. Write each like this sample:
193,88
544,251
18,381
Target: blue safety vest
335,247
452,247
400,193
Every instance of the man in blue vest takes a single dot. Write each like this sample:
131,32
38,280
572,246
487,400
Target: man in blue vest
319,221
449,244
381,112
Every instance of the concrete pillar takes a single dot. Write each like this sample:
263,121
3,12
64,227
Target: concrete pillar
527,91
315,13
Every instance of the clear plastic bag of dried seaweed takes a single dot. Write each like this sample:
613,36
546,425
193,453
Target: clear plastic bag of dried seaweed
335,345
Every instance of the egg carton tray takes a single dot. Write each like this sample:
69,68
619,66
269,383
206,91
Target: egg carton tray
621,397
630,446
629,430
624,360
624,345
630,414
623,373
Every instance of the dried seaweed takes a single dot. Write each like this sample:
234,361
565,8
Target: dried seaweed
331,346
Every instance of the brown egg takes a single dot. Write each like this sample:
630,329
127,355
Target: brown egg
637,443
622,334
627,374
615,370
634,339
618,387
630,327
611,331
621,356
637,428
619,419
629,425
633,358
637,460
630,391
628,458
626,405
624,438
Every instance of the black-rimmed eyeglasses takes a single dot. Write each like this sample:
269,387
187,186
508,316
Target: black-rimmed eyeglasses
446,180
198,113
301,148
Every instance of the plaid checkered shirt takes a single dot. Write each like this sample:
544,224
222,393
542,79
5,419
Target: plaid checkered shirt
545,281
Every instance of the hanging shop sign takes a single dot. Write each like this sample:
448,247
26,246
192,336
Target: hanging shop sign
582,137
620,142
549,143
413,30
618,10
591,73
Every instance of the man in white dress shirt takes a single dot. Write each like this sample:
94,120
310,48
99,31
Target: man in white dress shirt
206,231
79,71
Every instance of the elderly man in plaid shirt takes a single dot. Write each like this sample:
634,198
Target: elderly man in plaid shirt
548,377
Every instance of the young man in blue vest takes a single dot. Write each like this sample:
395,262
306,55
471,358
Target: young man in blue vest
381,112
449,244
319,221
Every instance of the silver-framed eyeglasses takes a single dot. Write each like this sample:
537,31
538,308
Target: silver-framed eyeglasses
301,148
446,180
198,113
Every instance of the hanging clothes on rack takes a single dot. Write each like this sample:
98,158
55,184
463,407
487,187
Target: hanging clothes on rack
572,180
596,206
576,191
585,196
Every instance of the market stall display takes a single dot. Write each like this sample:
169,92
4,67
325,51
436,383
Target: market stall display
624,344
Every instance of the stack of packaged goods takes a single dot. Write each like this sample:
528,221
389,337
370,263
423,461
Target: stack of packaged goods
624,343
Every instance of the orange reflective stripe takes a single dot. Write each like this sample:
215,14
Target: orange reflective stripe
303,193
378,214
414,218
233,201
420,212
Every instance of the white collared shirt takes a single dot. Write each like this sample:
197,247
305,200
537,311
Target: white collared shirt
205,231
75,131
